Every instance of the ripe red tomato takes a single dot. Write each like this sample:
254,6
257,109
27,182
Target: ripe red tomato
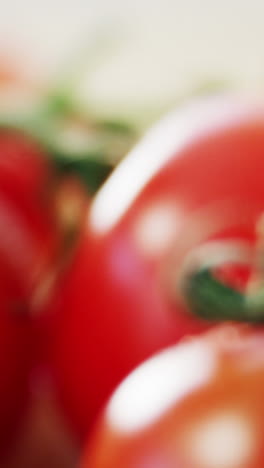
29,239
28,229
16,361
176,219
195,405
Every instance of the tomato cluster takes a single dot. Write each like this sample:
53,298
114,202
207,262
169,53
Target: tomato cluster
170,246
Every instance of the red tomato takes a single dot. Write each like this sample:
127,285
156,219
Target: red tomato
16,361
195,405
27,226
188,197
29,239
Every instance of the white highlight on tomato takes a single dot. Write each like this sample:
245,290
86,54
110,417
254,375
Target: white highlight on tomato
156,227
223,440
159,383
163,141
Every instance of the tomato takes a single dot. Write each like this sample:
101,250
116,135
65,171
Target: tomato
168,250
39,211
16,361
198,404
27,225
29,240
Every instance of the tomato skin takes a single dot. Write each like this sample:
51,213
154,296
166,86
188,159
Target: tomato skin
194,405
120,302
25,169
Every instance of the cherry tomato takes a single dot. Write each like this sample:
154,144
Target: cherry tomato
198,404
168,250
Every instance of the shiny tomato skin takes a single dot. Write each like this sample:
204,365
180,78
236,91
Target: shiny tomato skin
196,177
198,404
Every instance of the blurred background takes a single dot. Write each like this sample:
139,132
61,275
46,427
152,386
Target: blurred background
133,57
128,61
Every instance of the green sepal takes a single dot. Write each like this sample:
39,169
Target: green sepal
214,301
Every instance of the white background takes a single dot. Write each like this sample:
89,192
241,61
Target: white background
166,47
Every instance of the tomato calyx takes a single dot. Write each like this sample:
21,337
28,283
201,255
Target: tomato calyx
207,297
87,159
76,143
211,292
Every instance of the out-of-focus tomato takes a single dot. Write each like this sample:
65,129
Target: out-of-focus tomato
39,210
26,239
29,235
169,233
16,360
195,405
34,228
